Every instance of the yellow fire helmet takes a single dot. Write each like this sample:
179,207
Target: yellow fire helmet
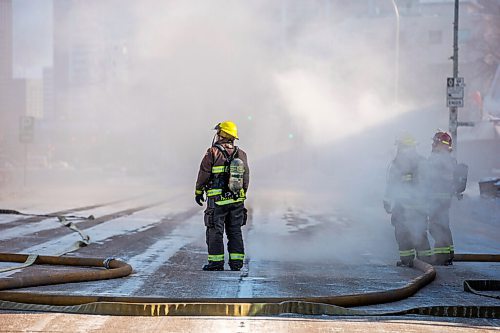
406,140
228,127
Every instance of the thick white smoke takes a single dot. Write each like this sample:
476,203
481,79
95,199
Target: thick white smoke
312,91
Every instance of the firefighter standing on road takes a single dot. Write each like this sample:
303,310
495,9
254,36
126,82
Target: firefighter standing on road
443,179
403,200
224,176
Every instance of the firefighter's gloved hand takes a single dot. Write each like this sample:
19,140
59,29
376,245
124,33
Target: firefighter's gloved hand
199,199
387,207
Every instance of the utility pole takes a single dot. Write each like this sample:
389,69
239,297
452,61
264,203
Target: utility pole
455,89
453,123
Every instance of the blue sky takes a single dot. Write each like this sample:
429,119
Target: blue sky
32,36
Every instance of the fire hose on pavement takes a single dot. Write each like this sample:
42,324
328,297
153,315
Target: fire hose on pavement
159,306
65,220
66,217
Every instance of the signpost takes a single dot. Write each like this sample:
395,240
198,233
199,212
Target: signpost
455,92
26,129
453,88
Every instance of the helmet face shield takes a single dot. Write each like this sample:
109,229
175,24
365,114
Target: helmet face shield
223,134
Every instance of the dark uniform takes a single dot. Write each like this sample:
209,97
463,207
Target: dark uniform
225,210
440,188
404,201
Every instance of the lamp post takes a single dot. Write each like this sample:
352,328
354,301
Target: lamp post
396,69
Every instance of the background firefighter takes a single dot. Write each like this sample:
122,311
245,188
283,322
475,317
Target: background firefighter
443,179
224,177
403,200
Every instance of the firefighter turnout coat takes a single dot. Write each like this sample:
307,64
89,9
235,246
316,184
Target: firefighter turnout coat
225,209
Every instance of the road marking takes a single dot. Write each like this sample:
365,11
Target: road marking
158,254
245,287
98,233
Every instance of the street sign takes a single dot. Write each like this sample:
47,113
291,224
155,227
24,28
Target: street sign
455,82
455,92
457,103
26,129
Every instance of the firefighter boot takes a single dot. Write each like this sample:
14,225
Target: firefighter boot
235,265
441,259
214,266
407,262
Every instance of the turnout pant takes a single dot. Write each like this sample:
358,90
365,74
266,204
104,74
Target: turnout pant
228,218
439,228
410,229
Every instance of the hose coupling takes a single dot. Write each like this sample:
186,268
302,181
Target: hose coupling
107,261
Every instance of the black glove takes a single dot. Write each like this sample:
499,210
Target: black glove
199,199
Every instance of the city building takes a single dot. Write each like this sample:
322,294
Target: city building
90,55
6,113
12,91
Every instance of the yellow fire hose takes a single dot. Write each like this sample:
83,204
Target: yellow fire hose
114,269
160,306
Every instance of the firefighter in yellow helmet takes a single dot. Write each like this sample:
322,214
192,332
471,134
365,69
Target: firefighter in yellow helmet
404,201
224,177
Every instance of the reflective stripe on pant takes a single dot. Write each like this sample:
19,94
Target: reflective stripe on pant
406,255
216,257
439,228
424,253
228,218
411,233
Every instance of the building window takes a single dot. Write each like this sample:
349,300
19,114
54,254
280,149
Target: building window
435,37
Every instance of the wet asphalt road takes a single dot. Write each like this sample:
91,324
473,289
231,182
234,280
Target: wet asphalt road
293,250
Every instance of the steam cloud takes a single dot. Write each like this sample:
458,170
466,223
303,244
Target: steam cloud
313,96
